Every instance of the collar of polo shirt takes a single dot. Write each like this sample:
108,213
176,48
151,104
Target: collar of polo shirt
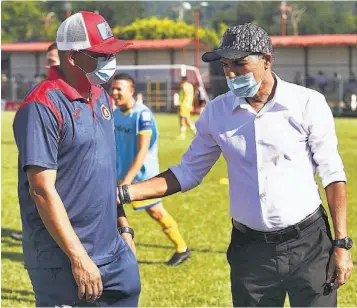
70,92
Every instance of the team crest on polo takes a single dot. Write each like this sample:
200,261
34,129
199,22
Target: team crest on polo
105,112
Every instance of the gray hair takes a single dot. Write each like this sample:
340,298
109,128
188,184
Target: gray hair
255,57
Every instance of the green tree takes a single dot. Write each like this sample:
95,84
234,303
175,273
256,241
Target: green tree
155,28
317,17
25,21
115,12
328,17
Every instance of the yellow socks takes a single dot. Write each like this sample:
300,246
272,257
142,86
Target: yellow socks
170,228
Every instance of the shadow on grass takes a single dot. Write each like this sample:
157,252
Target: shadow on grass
18,295
151,262
20,292
170,247
13,256
7,240
12,142
11,243
6,232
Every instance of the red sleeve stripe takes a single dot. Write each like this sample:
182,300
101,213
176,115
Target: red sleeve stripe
39,95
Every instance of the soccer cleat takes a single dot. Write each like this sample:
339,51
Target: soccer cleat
179,257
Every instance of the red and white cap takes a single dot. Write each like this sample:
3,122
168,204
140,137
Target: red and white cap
90,31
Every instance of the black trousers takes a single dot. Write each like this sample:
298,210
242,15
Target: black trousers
262,274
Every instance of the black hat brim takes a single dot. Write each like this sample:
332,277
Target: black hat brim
227,53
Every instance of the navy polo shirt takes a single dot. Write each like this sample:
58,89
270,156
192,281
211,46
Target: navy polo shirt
56,128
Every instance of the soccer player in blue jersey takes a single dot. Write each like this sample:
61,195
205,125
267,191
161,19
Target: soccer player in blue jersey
137,156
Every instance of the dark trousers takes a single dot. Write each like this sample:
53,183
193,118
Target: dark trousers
262,274
120,278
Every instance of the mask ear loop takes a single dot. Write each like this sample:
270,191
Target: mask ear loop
110,56
88,56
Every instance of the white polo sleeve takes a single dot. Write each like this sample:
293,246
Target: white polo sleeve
323,140
201,155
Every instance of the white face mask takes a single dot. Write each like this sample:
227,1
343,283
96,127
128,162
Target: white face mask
103,72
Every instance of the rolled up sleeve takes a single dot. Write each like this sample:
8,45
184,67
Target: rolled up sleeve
199,158
323,141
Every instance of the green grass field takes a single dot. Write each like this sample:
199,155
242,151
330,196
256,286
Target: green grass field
202,217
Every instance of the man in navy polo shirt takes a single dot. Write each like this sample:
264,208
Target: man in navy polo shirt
52,59
64,131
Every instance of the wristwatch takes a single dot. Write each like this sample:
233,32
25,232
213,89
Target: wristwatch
123,194
345,243
126,230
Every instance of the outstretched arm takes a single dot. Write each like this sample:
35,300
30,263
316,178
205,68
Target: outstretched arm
195,164
162,185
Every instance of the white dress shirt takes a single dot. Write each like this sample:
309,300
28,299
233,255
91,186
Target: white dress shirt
271,155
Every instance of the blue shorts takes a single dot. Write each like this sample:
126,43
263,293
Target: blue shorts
121,284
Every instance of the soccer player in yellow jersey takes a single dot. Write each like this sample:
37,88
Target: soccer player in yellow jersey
186,97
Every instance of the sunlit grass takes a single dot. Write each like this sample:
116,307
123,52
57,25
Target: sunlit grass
201,214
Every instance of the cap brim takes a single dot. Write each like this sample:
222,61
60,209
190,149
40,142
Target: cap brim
110,46
224,53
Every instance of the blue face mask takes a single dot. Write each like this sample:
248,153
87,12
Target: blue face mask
244,85
103,72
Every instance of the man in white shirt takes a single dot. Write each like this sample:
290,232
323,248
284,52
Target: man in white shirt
273,135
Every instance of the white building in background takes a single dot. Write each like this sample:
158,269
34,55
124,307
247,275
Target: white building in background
305,53
294,56
28,59
309,54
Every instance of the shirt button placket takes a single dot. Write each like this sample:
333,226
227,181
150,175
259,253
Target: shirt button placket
259,130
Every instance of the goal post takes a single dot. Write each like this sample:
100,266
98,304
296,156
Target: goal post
159,84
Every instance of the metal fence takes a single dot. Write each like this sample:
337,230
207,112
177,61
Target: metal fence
158,95
341,94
